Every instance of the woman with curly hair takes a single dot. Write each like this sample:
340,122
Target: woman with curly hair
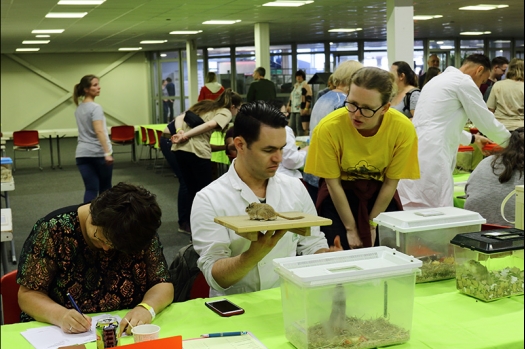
106,254
494,178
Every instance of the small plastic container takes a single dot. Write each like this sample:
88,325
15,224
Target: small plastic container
360,298
7,170
465,158
489,264
426,234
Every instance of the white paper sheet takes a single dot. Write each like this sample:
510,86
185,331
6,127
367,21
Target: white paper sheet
52,337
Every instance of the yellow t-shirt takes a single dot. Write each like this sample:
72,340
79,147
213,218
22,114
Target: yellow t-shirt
337,150
200,144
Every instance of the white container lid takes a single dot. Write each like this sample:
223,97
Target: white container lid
428,219
345,266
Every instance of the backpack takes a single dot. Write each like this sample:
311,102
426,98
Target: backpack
183,271
406,99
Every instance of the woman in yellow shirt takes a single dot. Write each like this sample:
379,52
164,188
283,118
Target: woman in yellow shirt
362,151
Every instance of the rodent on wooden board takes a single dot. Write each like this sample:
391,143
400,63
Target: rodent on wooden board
265,212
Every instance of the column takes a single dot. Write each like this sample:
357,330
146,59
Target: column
191,61
262,47
400,31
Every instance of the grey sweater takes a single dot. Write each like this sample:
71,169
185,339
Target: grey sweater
485,193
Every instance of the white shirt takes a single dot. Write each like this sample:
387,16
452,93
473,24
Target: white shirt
444,106
229,196
293,159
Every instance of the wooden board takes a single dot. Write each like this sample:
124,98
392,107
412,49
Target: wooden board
249,229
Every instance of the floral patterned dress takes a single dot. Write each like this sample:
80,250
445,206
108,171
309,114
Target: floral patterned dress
56,259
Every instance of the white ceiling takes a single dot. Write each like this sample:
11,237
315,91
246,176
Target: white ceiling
124,23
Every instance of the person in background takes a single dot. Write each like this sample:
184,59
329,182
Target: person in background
494,178
165,102
329,102
293,158
433,61
361,152
444,106
211,89
192,144
431,73
406,81
230,263
170,87
299,105
106,254
498,68
506,97
183,205
94,152
261,89
329,87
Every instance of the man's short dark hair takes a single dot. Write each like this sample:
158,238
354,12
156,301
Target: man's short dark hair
261,71
250,118
499,61
301,73
480,59
169,80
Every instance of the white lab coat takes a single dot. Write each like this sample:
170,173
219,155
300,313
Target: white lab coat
229,196
293,159
444,106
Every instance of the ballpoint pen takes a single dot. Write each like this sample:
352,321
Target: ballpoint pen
224,334
73,303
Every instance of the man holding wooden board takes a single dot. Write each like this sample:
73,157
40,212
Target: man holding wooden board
231,263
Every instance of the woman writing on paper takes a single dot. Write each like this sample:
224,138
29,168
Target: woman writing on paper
106,254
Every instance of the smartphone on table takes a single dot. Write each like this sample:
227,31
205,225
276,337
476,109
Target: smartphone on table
224,307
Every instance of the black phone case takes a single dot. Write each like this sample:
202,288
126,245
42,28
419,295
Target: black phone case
227,314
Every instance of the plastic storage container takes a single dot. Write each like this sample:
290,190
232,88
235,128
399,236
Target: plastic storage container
489,264
426,234
519,207
360,298
7,170
465,159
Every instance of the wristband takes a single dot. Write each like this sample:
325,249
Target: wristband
177,130
372,223
108,154
473,139
148,308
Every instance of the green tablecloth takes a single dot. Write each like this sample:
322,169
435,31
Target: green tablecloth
443,319
155,127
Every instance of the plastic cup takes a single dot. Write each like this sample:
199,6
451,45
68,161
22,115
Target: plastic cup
143,333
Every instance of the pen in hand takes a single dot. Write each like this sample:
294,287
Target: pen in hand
74,304
224,334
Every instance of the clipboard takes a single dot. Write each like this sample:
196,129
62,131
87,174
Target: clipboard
248,341
249,229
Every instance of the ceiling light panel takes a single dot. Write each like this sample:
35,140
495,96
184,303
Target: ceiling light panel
47,31
426,17
482,7
42,36
287,3
344,30
130,49
81,2
27,49
35,42
66,14
214,21
185,32
153,41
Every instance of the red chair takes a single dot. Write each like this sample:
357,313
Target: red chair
9,290
26,141
200,288
124,135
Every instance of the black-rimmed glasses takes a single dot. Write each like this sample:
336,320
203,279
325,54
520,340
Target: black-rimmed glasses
366,112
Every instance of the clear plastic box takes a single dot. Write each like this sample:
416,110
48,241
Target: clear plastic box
426,234
490,264
360,298
7,170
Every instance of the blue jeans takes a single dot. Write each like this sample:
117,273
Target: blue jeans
96,175
183,204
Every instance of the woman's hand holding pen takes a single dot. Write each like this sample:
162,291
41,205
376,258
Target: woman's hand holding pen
136,316
74,322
